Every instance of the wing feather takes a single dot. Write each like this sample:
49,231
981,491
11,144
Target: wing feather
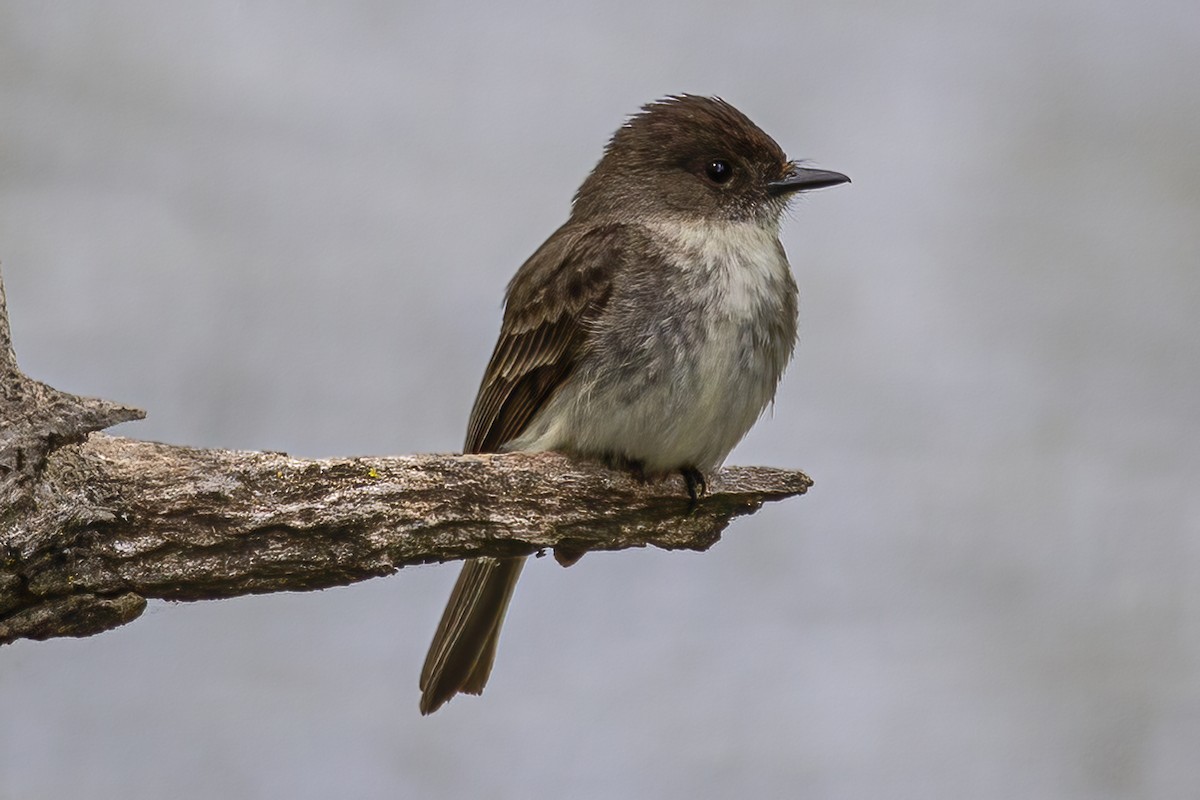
549,309
550,303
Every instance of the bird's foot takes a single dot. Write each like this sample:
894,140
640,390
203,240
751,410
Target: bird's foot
696,485
635,467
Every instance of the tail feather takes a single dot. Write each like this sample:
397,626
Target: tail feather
464,646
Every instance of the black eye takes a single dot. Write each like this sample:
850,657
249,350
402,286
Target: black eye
718,171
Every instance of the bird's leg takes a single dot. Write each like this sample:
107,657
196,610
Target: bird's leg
696,484
692,477
633,466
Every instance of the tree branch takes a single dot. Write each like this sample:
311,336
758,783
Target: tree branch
93,525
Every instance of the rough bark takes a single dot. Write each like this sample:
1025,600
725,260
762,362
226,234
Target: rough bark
92,525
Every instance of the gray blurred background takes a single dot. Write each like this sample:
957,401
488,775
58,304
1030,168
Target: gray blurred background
278,226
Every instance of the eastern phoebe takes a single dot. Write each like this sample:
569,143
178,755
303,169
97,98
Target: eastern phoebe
649,331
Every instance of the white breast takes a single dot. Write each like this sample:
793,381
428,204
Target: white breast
692,406
743,262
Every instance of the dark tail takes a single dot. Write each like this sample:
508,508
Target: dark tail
464,647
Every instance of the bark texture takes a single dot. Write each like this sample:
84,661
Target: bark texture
92,525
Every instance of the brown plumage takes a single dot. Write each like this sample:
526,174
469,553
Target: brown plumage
566,283
650,331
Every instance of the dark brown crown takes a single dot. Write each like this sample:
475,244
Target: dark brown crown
656,162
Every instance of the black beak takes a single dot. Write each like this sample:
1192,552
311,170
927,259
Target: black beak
801,179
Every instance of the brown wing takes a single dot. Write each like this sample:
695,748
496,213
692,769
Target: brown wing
550,301
549,306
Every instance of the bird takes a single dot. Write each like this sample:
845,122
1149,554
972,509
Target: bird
649,332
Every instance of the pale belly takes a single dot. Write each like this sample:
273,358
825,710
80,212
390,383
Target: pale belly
689,416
